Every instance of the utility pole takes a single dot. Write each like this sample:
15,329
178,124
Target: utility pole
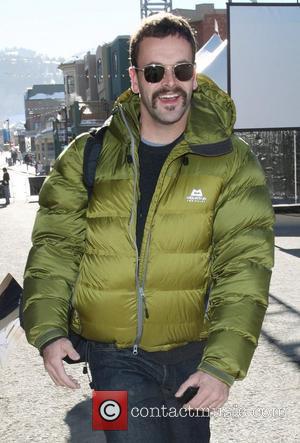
57,149
150,7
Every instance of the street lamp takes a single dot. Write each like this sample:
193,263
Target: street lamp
57,149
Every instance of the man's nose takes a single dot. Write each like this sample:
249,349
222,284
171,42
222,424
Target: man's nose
169,76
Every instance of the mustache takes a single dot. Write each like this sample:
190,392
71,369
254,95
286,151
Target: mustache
163,91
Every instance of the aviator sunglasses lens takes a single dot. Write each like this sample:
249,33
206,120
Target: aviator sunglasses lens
184,72
154,74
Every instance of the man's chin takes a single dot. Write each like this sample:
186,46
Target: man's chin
168,120
169,115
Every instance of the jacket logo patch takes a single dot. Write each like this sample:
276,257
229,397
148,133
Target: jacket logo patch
196,196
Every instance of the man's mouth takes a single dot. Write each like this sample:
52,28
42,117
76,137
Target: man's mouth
169,95
169,98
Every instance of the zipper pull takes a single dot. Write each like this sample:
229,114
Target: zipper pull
144,301
146,309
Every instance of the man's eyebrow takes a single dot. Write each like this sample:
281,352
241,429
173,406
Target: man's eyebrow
165,64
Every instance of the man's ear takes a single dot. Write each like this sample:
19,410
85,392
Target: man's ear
134,80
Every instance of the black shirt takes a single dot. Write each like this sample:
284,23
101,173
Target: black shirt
151,159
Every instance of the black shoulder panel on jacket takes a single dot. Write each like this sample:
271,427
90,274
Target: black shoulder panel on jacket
213,149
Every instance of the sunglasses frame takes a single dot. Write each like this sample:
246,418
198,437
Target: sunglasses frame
165,67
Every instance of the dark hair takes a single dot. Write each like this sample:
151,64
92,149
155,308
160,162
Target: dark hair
161,25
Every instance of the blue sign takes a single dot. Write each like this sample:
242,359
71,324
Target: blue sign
6,136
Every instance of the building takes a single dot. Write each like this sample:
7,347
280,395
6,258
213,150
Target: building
103,74
92,85
112,62
203,20
45,144
41,103
83,108
119,62
74,81
1,139
90,77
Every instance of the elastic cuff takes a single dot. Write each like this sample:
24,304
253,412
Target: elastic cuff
218,373
50,335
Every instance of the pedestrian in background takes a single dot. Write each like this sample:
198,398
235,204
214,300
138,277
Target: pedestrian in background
14,156
165,271
5,184
20,157
27,160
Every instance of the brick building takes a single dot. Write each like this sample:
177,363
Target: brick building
203,19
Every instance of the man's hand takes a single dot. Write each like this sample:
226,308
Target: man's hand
53,355
212,393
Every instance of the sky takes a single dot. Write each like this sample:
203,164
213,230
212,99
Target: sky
68,27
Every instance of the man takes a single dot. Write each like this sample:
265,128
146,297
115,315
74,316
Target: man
5,184
172,253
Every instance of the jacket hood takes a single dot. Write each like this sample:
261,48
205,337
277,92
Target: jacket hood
211,118
212,115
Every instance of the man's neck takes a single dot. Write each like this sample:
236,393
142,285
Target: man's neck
159,133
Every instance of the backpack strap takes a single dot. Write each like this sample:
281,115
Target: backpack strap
92,151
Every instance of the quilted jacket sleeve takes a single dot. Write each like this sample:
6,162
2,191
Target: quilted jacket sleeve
58,243
243,249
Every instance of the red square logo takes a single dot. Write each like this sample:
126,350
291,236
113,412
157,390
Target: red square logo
110,410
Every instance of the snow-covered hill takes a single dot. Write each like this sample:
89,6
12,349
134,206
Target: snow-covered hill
20,69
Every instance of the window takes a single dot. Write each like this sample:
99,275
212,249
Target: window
99,70
115,64
70,84
87,78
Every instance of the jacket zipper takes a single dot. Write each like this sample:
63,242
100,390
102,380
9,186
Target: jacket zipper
139,287
142,304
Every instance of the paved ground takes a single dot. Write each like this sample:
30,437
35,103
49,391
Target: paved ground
264,408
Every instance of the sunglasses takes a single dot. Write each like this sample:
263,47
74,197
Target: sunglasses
155,73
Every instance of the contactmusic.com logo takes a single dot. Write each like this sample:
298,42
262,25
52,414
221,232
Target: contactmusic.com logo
110,411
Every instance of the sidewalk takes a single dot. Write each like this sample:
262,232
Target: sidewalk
22,168
264,408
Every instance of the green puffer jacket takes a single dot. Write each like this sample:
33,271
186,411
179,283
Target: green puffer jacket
209,229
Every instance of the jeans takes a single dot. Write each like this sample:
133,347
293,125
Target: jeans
150,384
